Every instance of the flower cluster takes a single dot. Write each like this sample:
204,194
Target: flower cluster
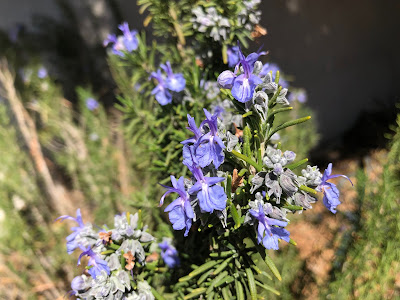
249,15
115,258
214,21
127,42
167,84
202,154
250,80
281,183
273,189
169,254
211,23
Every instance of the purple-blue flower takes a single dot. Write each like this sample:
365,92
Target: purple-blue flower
180,211
129,40
42,73
207,148
331,192
299,95
169,254
193,128
95,262
210,146
72,244
163,96
91,104
211,196
242,86
267,231
125,42
78,284
245,84
116,44
233,56
174,82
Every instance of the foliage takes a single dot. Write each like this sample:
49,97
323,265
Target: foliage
373,250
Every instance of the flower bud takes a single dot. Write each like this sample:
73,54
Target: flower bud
290,156
303,200
78,284
288,182
225,79
257,67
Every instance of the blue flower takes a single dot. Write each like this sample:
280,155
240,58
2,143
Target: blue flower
78,284
180,210
169,254
174,82
210,146
193,128
72,241
299,95
163,96
117,44
91,104
206,148
245,84
242,86
331,192
129,40
42,73
211,196
95,262
233,56
267,232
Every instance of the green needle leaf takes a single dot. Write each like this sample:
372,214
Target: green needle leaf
252,284
239,290
272,267
247,159
308,189
195,293
268,288
288,124
295,165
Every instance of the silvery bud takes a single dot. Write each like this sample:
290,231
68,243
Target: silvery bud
303,200
257,67
282,97
289,156
288,182
146,237
271,181
312,175
268,84
232,141
257,181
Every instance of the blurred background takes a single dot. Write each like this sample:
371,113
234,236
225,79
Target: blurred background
343,53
